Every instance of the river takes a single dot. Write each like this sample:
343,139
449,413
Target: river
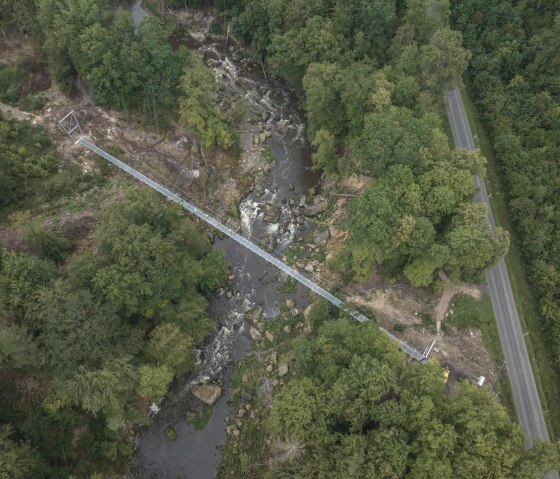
194,454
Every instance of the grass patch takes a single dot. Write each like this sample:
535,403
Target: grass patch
170,433
546,377
266,153
202,419
289,286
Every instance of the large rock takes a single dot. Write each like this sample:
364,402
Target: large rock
283,277
321,236
319,205
254,314
256,335
271,213
283,370
264,391
207,393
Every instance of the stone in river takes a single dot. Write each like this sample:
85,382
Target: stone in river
207,393
271,213
256,335
254,314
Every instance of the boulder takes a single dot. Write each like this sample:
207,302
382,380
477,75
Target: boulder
274,358
319,205
271,213
283,277
321,236
254,314
269,336
256,335
335,233
207,393
264,391
283,370
287,329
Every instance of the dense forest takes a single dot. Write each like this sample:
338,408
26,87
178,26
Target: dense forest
356,411
89,338
515,79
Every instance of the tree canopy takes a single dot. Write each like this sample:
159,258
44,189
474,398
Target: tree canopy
357,411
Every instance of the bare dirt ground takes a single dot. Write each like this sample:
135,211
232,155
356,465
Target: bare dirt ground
14,113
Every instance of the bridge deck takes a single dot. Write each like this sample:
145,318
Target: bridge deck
243,241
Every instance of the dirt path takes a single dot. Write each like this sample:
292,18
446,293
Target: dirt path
14,113
449,291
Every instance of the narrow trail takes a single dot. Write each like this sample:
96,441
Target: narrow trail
450,290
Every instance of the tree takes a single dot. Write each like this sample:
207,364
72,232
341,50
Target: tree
46,243
79,330
18,460
374,222
426,17
390,137
18,349
154,381
474,247
325,157
101,391
300,413
196,106
291,53
443,60
385,419
368,25
324,110
170,347
21,275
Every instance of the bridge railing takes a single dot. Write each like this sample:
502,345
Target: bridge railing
200,213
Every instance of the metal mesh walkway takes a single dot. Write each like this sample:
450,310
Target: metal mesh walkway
422,357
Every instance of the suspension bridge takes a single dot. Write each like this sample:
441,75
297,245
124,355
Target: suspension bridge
71,125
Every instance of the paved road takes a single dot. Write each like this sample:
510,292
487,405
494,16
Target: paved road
525,396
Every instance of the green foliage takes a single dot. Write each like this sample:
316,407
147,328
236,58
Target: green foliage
21,83
128,68
443,60
18,460
326,157
359,412
85,339
391,137
200,421
79,330
105,391
197,110
18,349
46,243
21,275
170,347
154,381
25,159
